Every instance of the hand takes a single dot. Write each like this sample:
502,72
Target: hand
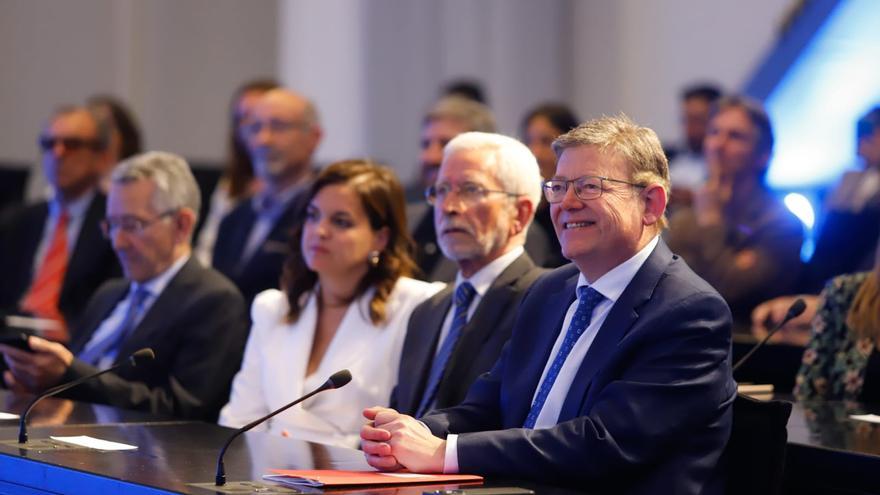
393,440
770,313
38,370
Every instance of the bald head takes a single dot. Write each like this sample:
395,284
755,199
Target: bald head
282,135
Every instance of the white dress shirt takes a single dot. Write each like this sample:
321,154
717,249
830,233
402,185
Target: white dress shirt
611,285
273,372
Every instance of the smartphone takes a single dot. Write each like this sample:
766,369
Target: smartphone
501,490
19,340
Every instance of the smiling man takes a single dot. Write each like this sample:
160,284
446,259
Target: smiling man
192,316
484,199
617,375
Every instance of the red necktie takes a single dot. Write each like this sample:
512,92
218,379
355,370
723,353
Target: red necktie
42,298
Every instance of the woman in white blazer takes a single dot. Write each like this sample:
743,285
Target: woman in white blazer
345,302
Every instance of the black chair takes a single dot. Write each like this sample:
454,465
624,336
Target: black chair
756,451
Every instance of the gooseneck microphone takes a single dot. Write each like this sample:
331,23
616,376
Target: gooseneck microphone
794,311
336,380
138,356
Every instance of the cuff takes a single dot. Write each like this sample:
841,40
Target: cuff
450,458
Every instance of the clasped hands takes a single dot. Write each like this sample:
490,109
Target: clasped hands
393,441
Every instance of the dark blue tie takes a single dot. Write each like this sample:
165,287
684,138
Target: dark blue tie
588,299
464,294
113,341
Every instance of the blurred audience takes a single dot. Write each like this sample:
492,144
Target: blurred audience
53,256
252,242
125,133
841,361
737,235
192,317
687,163
238,180
344,303
539,128
484,200
466,88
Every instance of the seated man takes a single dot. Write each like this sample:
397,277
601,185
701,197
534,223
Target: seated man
193,317
484,201
617,375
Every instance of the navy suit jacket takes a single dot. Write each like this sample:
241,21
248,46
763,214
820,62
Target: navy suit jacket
263,270
91,263
475,351
649,410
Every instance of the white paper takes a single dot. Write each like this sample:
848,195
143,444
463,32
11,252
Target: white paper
294,481
6,415
94,443
871,418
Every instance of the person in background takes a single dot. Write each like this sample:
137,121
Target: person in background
125,133
238,181
484,201
52,255
191,316
687,164
841,360
737,235
344,302
539,128
283,131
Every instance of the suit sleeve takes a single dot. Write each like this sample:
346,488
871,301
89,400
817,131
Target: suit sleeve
196,381
676,383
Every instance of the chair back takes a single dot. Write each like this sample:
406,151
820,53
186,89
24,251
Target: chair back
756,451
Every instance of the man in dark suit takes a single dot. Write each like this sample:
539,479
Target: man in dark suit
253,239
617,376
192,316
482,212
53,255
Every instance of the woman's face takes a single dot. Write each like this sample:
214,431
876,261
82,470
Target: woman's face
540,134
337,238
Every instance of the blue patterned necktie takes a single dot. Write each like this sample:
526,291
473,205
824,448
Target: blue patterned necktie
464,294
589,298
113,341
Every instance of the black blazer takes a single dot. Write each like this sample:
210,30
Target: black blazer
91,263
198,328
263,270
478,347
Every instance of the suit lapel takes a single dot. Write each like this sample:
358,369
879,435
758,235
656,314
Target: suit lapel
102,308
428,333
620,320
90,245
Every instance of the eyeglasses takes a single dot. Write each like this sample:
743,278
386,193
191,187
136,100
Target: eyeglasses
253,127
585,188
467,192
48,143
130,224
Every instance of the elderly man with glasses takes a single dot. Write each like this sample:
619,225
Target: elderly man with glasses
484,199
617,375
192,317
54,257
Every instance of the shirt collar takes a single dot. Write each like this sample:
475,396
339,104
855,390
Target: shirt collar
612,284
485,276
76,208
157,284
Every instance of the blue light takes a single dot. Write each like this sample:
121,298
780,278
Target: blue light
801,207
815,107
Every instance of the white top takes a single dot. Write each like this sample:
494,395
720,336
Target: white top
221,205
277,353
611,285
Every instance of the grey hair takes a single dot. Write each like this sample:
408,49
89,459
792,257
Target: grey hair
176,186
473,115
102,127
514,165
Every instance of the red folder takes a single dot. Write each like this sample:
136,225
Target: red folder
328,477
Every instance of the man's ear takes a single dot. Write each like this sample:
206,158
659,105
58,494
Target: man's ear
524,210
185,222
654,197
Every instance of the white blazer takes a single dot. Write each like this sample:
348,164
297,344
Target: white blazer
274,366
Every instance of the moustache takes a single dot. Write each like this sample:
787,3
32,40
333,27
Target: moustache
455,225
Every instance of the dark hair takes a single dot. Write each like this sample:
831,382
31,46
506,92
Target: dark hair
708,92
382,198
465,88
560,116
123,120
239,169
754,110
869,123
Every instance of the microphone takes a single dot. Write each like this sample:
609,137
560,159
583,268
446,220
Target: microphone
138,356
794,311
336,380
